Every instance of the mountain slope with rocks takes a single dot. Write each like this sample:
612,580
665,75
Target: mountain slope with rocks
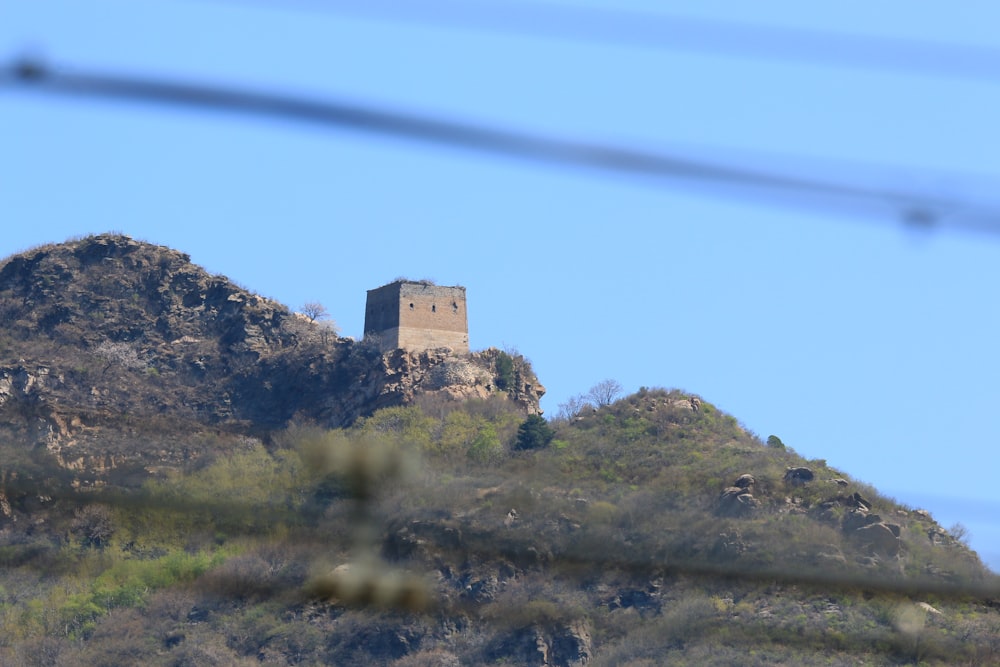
191,474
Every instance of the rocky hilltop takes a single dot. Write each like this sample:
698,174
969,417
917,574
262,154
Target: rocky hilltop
106,338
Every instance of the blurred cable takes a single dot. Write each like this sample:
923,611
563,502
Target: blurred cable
480,545
784,188
638,29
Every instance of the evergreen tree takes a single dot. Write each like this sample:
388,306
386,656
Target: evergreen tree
534,433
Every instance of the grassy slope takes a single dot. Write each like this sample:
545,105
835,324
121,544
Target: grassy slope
615,545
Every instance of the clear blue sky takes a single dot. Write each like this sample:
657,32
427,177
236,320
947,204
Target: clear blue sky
851,337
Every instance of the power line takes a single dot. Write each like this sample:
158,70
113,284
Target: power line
909,207
637,29
249,519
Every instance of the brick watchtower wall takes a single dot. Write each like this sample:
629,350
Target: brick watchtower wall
418,316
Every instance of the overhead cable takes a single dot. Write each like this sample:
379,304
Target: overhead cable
638,29
255,520
912,208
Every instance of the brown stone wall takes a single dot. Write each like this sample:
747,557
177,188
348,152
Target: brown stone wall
382,309
418,316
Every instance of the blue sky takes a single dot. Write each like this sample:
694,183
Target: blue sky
839,329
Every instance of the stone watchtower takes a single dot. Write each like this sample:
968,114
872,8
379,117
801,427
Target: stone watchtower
417,316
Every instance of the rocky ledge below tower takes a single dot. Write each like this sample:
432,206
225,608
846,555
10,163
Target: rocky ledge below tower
400,376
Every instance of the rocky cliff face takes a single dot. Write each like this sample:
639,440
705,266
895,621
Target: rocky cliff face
399,377
106,337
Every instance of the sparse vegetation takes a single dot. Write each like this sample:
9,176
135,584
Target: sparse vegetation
185,509
601,545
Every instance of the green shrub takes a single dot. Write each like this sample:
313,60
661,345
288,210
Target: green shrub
505,371
404,423
486,447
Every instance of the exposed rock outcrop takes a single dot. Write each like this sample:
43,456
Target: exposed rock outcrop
400,376
880,538
568,645
799,476
738,500
868,529
735,501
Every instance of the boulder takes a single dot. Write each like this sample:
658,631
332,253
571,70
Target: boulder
928,608
858,518
799,476
860,501
745,481
879,538
736,501
642,600
853,520
937,536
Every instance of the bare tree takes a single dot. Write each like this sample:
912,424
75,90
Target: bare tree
605,392
122,354
328,330
572,408
960,533
314,310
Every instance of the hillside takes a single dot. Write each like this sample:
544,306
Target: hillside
105,337
301,500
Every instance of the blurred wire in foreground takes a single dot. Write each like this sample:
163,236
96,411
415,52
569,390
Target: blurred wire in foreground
911,208
638,29
357,584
